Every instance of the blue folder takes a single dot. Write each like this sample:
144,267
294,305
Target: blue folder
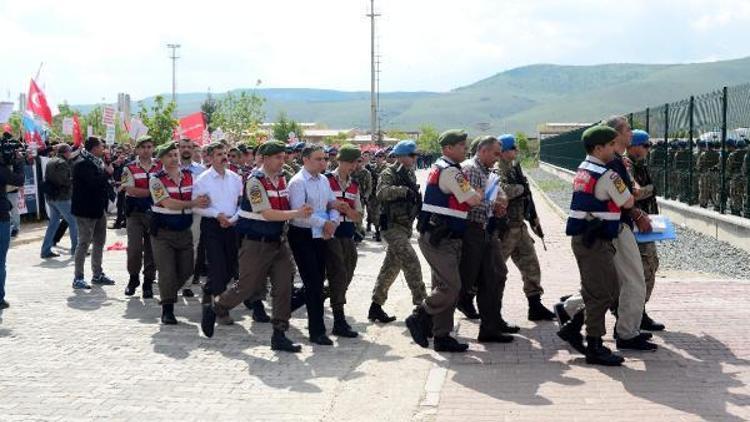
667,234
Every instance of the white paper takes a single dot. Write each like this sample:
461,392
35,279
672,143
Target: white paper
6,109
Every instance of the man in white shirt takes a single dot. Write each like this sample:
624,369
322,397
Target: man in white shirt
307,235
187,151
224,188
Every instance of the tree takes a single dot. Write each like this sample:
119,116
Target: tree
428,140
238,114
522,142
159,120
16,123
208,108
397,134
283,126
339,139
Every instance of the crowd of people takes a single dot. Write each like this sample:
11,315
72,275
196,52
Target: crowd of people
242,222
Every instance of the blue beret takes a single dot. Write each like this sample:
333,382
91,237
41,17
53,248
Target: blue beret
507,141
640,137
299,146
405,147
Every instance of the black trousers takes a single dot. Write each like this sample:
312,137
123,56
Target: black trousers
481,272
309,254
221,254
120,209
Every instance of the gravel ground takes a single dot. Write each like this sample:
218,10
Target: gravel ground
691,251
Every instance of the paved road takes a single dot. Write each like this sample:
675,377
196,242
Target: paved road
72,355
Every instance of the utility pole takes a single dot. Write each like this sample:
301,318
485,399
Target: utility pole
174,58
379,113
373,101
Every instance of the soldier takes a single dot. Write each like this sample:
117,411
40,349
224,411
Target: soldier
681,168
291,165
517,244
373,203
442,223
341,255
729,165
135,179
707,174
645,200
263,212
331,156
598,196
735,177
364,179
673,147
399,202
479,251
171,190
656,164
702,147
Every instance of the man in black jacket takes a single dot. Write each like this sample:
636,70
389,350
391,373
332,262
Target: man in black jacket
90,198
11,174
58,184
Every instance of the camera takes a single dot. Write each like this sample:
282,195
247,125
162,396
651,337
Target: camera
9,148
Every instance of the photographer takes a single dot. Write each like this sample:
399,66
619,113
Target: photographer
58,186
11,174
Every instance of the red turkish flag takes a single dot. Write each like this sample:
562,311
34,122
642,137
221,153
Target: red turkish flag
77,138
37,103
192,126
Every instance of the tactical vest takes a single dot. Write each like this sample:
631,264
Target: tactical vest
169,219
252,223
618,166
444,205
350,195
141,178
585,205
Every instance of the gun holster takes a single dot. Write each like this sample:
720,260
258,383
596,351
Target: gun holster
593,231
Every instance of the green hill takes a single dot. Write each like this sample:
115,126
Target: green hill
517,99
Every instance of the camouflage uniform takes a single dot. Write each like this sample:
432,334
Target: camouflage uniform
290,169
736,180
373,204
399,211
364,180
672,189
516,241
646,201
656,163
707,176
682,168
694,188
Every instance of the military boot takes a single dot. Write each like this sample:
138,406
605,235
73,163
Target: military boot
259,311
597,354
148,289
570,332
417,325
133,283
280,342
167,314
342,328
649,324
449,344
376,313
507,328
537,311
466,306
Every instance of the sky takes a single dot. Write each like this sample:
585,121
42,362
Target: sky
93,50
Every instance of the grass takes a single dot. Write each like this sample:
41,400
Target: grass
552,185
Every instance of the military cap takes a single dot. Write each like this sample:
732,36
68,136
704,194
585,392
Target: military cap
741,143
299,146
163,149
242,148
452,137
143,139
405,147
289,148
598,135
507,141
349,153
640,137
271,148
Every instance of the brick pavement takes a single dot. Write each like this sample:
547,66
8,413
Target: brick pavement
72,355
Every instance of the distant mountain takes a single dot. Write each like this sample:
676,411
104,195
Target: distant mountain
517,99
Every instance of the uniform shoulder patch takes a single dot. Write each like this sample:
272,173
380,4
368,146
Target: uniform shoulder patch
256,196
462,182
618,182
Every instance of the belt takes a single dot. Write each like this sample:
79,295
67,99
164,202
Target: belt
264,239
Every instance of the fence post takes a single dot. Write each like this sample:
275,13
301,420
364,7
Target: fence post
648,120
723,162
630,120
691,194
666,149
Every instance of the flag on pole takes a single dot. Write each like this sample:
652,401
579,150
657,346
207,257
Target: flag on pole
77,138
33,130
37,103
192,126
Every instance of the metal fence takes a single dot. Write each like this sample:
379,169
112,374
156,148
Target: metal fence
698,149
